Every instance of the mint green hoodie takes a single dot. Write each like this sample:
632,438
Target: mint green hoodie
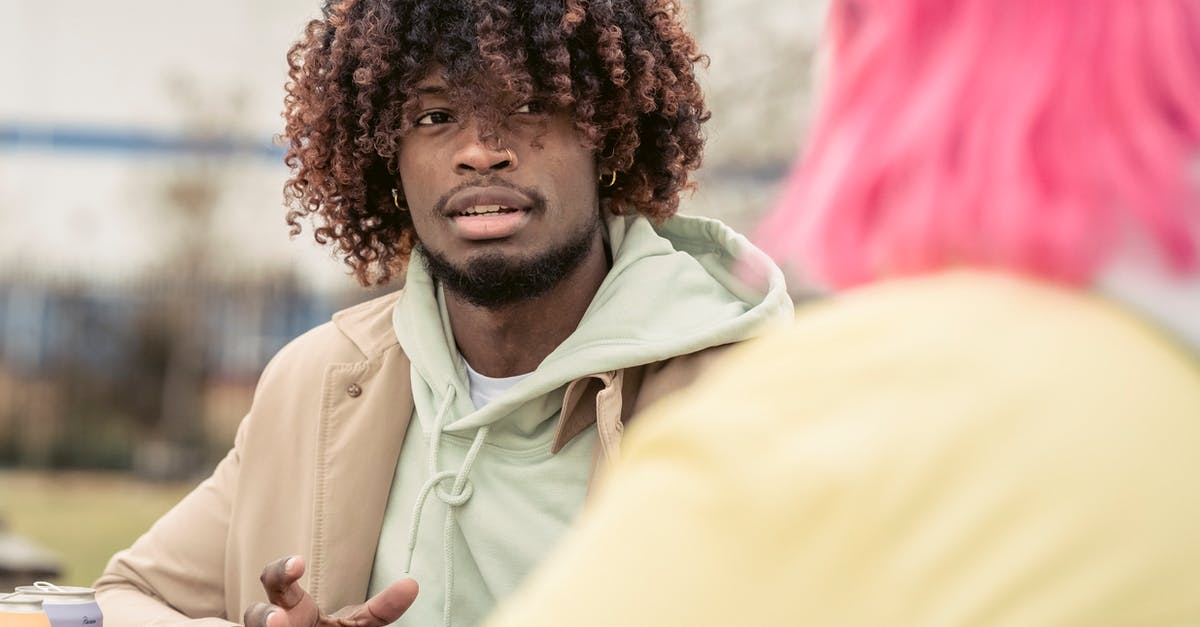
479,498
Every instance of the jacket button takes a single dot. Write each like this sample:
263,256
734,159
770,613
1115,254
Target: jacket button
353,390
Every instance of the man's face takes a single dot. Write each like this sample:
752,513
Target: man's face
514,211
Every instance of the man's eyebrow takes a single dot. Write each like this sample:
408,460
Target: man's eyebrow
431,89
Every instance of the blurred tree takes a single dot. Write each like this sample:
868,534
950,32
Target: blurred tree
758,86
190,194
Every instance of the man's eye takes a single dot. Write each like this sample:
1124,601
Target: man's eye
533,106
434,117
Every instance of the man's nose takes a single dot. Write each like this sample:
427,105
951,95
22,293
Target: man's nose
482,153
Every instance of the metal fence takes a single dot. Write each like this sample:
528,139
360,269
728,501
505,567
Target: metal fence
148,373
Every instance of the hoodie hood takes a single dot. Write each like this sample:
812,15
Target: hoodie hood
673,289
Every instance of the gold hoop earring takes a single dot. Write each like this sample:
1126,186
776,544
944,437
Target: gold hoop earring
611,181
396,199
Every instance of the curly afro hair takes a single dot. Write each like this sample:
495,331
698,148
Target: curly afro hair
623,70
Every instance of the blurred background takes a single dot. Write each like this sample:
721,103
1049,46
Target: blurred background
146,274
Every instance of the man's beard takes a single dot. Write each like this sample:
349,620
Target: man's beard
492,280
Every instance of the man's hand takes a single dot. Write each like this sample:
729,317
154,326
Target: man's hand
291,606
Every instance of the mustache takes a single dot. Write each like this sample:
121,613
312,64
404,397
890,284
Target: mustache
539,201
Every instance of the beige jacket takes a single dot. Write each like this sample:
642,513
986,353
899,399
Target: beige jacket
310,472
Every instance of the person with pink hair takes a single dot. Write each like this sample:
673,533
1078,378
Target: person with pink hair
995,420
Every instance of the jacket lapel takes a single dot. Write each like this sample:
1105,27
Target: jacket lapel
365,410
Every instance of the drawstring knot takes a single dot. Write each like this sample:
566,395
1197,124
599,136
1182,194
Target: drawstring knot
455,498
459,493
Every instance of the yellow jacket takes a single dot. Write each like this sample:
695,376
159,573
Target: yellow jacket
961,449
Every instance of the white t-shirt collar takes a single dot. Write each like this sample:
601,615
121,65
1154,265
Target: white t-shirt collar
485,389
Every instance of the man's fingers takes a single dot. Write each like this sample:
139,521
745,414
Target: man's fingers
279,581
256,615
381,609
267,615
291,606
393,602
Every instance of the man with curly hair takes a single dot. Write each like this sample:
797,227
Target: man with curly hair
518,163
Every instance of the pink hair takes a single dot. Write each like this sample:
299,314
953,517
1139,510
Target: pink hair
1029,135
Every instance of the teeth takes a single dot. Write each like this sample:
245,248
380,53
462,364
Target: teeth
485,209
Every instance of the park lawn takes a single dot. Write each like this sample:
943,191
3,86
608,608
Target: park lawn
82,517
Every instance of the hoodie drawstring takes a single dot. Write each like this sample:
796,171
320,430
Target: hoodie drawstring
458,495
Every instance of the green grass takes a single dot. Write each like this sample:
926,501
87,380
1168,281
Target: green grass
82,517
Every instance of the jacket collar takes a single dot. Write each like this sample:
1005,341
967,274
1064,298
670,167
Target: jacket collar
369,325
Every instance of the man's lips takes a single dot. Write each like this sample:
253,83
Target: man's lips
486,201
483,213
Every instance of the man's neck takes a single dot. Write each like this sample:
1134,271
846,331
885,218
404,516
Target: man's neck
513,339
